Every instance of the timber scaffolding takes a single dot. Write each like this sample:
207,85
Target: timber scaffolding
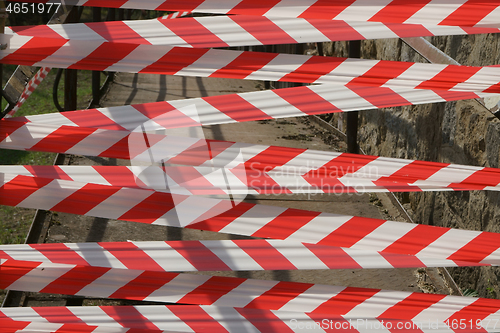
42,221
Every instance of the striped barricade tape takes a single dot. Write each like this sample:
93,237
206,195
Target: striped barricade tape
24,325
175,15
191,318
28,90
237,30
260,105
146,206
183,61
338,176
343,172
223,255
459,12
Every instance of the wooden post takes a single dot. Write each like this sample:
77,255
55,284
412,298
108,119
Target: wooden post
352,116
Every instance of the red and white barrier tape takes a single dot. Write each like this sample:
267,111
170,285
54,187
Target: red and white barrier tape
224,255
236,30
328,171
191,318
28,90
344,173
159,59
24,326
152,207
175,15
260,105
459,12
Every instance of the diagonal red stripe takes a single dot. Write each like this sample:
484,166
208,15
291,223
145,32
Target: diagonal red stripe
176,5
265,321
266,255
313,69
402,260
7,127
47,171
36,30
143,285
473,315
194,33
92,118
449,77
237,108
478,249
263,29
86,198
326,9
218,222
73,281
253,7
118,176
411,306
151,209
345,301
117,32
62,315
398,11
272,157
333,257
12,270
210,291
129,316
62,139
59,253
410,173
176,59
199,256
306,100
285,224
470,13
245,64
196,318
35,50
335,28
351,231
279,295
131,256
416,240
105,55
380,73
380,97
19,188
409,30
479,180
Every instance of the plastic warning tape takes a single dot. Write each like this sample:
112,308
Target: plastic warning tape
146,206
236,30
259,105
343,174
42,326
220,255
28,90
160,59
461,12
325,171
192,318
175,15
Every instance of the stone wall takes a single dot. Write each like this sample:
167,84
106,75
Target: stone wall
461,132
